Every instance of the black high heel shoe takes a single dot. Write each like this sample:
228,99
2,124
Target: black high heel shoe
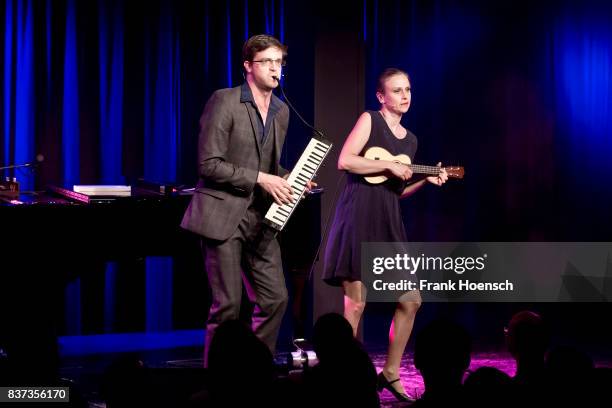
383,383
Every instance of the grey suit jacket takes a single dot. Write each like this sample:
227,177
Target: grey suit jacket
228,163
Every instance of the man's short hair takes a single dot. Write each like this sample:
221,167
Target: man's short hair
259,43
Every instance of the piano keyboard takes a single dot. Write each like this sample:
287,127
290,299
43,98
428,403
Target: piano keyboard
303,172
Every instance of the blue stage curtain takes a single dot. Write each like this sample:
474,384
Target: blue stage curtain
7,82
519,93
18,129
162,135
111,61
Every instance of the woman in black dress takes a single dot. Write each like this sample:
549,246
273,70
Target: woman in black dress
371,212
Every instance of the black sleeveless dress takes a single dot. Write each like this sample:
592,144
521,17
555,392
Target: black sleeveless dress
366,212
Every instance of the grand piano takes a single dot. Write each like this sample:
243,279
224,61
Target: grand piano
50,238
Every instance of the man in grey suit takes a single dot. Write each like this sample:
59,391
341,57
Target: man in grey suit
242,131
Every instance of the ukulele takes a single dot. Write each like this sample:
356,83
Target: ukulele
379,153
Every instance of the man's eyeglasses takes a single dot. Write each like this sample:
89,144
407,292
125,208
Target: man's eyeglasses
267,62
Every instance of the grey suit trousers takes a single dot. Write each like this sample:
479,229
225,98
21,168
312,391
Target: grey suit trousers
250,256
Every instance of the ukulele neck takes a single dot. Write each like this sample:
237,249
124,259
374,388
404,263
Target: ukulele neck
429,170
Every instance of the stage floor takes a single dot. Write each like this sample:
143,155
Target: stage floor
86,371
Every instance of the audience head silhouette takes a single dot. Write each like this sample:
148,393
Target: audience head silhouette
442,354
345,375
332,333
527,336
237,356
